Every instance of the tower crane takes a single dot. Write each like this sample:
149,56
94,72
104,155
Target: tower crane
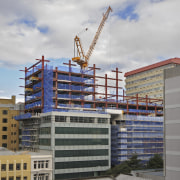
83,59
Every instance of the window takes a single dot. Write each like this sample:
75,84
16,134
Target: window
11,178
42,164
4,120
45,130
4,145
4,128
14,125
14,133
11,133
15,142
35,176
18,166
35,164
4,136
25,177
60,118
45,142
3,167
5,112
18,178
10,167
25,166
3,178
39,164
47,163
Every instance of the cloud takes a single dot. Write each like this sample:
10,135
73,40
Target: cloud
1,91
137,32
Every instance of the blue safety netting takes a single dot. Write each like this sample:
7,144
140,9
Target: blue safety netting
48,89
23,116
141,135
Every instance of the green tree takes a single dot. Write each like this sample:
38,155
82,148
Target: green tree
125,167
122,168
155,162
134,163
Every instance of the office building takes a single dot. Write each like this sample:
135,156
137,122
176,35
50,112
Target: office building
9,127
148,80
172,123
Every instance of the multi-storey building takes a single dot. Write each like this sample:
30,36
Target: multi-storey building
9,127
80,142
25,165
132,134
148,80
41,165
67,114
14,166
172,123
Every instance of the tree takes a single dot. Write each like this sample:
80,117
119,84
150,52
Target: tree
125,167
155,162
122,168
134,163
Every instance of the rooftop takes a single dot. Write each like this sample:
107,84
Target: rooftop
6,152
152,66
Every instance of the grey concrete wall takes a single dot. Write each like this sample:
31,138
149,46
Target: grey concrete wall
172,123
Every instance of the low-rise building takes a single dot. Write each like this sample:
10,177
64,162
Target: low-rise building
24,165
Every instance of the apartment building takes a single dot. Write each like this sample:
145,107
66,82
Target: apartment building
9,127
148,80
172,123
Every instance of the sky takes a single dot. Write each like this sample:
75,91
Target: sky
137,33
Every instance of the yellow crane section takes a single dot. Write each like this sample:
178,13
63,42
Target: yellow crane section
83,59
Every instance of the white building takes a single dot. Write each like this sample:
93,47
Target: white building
41,166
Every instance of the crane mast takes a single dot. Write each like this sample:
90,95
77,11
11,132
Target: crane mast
83,59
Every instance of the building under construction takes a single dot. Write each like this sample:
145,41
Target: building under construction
71,111
65,112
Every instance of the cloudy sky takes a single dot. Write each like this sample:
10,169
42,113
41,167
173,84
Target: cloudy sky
137,33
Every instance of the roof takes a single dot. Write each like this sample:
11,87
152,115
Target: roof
6,152
152,66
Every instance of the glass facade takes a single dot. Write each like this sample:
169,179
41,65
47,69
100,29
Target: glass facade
80,164
80,130
73,142
81,153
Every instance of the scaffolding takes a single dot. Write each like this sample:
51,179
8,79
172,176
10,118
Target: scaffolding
69,88
141,135
30,134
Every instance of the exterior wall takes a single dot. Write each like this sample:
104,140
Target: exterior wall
141,135
9,127
172,123
19,171
149,82
41,167
80,149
